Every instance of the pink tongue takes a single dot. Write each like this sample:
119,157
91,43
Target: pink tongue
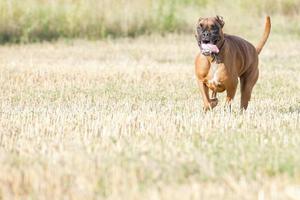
210,47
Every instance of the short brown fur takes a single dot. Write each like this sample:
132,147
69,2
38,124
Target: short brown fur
238,60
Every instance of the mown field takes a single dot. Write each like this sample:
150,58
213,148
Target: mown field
99,101
123,119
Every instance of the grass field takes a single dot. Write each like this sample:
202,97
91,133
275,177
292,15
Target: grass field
123,119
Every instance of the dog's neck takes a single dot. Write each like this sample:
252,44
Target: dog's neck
217,57
221,45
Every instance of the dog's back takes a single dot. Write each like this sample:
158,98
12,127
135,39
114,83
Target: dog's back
243,51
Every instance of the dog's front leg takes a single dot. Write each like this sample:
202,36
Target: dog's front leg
205,96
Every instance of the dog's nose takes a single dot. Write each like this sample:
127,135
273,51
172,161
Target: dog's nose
205,34
205,37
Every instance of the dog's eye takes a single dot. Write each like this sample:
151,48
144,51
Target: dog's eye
215,30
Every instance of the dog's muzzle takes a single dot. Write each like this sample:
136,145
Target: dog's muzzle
208,43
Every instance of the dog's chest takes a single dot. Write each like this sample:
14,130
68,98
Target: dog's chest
213,79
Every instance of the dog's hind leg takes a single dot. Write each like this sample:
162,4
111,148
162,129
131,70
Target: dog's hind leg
230,93
248,81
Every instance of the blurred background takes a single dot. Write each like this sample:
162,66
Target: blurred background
39,20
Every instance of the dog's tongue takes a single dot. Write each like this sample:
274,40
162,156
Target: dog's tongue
210,47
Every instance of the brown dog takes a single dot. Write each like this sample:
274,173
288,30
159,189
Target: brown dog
223,59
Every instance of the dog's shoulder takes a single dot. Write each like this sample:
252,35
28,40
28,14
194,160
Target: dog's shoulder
238,42
236,39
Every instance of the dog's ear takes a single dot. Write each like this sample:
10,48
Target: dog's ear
199,20
198,26
220,20
196,33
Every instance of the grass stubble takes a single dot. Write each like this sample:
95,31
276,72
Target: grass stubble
122,119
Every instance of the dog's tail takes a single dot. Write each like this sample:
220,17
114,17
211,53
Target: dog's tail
265,35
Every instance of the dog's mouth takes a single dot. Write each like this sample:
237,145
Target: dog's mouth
206,53
208,49
208,45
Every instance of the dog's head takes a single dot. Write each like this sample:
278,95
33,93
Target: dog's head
209,32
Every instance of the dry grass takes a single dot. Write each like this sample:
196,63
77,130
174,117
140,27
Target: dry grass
122,119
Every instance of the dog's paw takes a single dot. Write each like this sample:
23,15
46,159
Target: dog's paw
209,106
213,102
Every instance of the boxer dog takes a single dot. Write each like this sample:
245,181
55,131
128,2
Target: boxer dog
223,60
